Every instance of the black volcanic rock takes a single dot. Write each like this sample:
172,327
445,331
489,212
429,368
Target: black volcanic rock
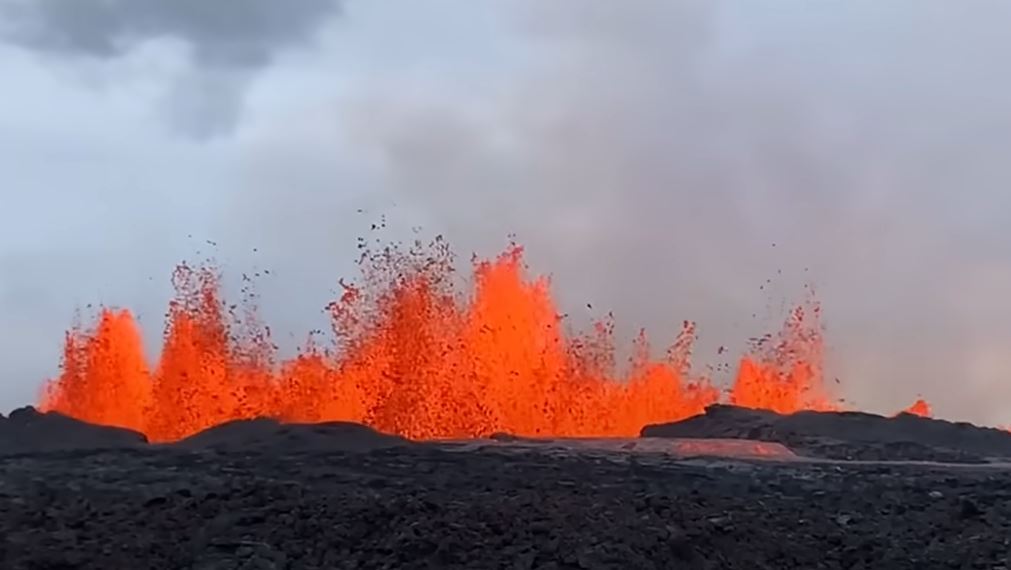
28,430
422,507
269,435
847,435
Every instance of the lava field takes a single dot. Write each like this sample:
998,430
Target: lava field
266,495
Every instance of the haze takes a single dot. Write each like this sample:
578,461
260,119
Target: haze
664,161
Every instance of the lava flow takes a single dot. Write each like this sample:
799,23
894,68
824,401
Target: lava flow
416,357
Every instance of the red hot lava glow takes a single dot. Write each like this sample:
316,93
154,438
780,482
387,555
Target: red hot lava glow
416,357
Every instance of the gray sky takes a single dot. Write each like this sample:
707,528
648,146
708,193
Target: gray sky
648,153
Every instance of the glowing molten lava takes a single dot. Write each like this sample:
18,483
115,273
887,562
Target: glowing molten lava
919,408
414,356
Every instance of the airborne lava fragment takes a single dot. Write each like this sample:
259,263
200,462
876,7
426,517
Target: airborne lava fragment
417,357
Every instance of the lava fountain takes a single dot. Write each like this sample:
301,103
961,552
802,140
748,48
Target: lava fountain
415,355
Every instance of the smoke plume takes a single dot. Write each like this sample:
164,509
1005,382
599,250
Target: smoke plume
665,161
707,160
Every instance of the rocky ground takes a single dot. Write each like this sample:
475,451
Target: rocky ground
263,495
423,506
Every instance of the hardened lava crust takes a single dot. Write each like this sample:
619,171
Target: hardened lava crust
343,496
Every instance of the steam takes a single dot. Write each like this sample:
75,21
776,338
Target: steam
662,160
706,160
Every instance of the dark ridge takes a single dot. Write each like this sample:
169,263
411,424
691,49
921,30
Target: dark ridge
28,430
506,437
269,435
847,435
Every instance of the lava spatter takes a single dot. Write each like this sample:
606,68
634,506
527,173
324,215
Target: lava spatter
416,355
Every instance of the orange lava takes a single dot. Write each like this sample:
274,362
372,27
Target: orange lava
919,408
414,355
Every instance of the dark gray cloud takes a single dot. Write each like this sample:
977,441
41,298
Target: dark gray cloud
222,33
227,42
